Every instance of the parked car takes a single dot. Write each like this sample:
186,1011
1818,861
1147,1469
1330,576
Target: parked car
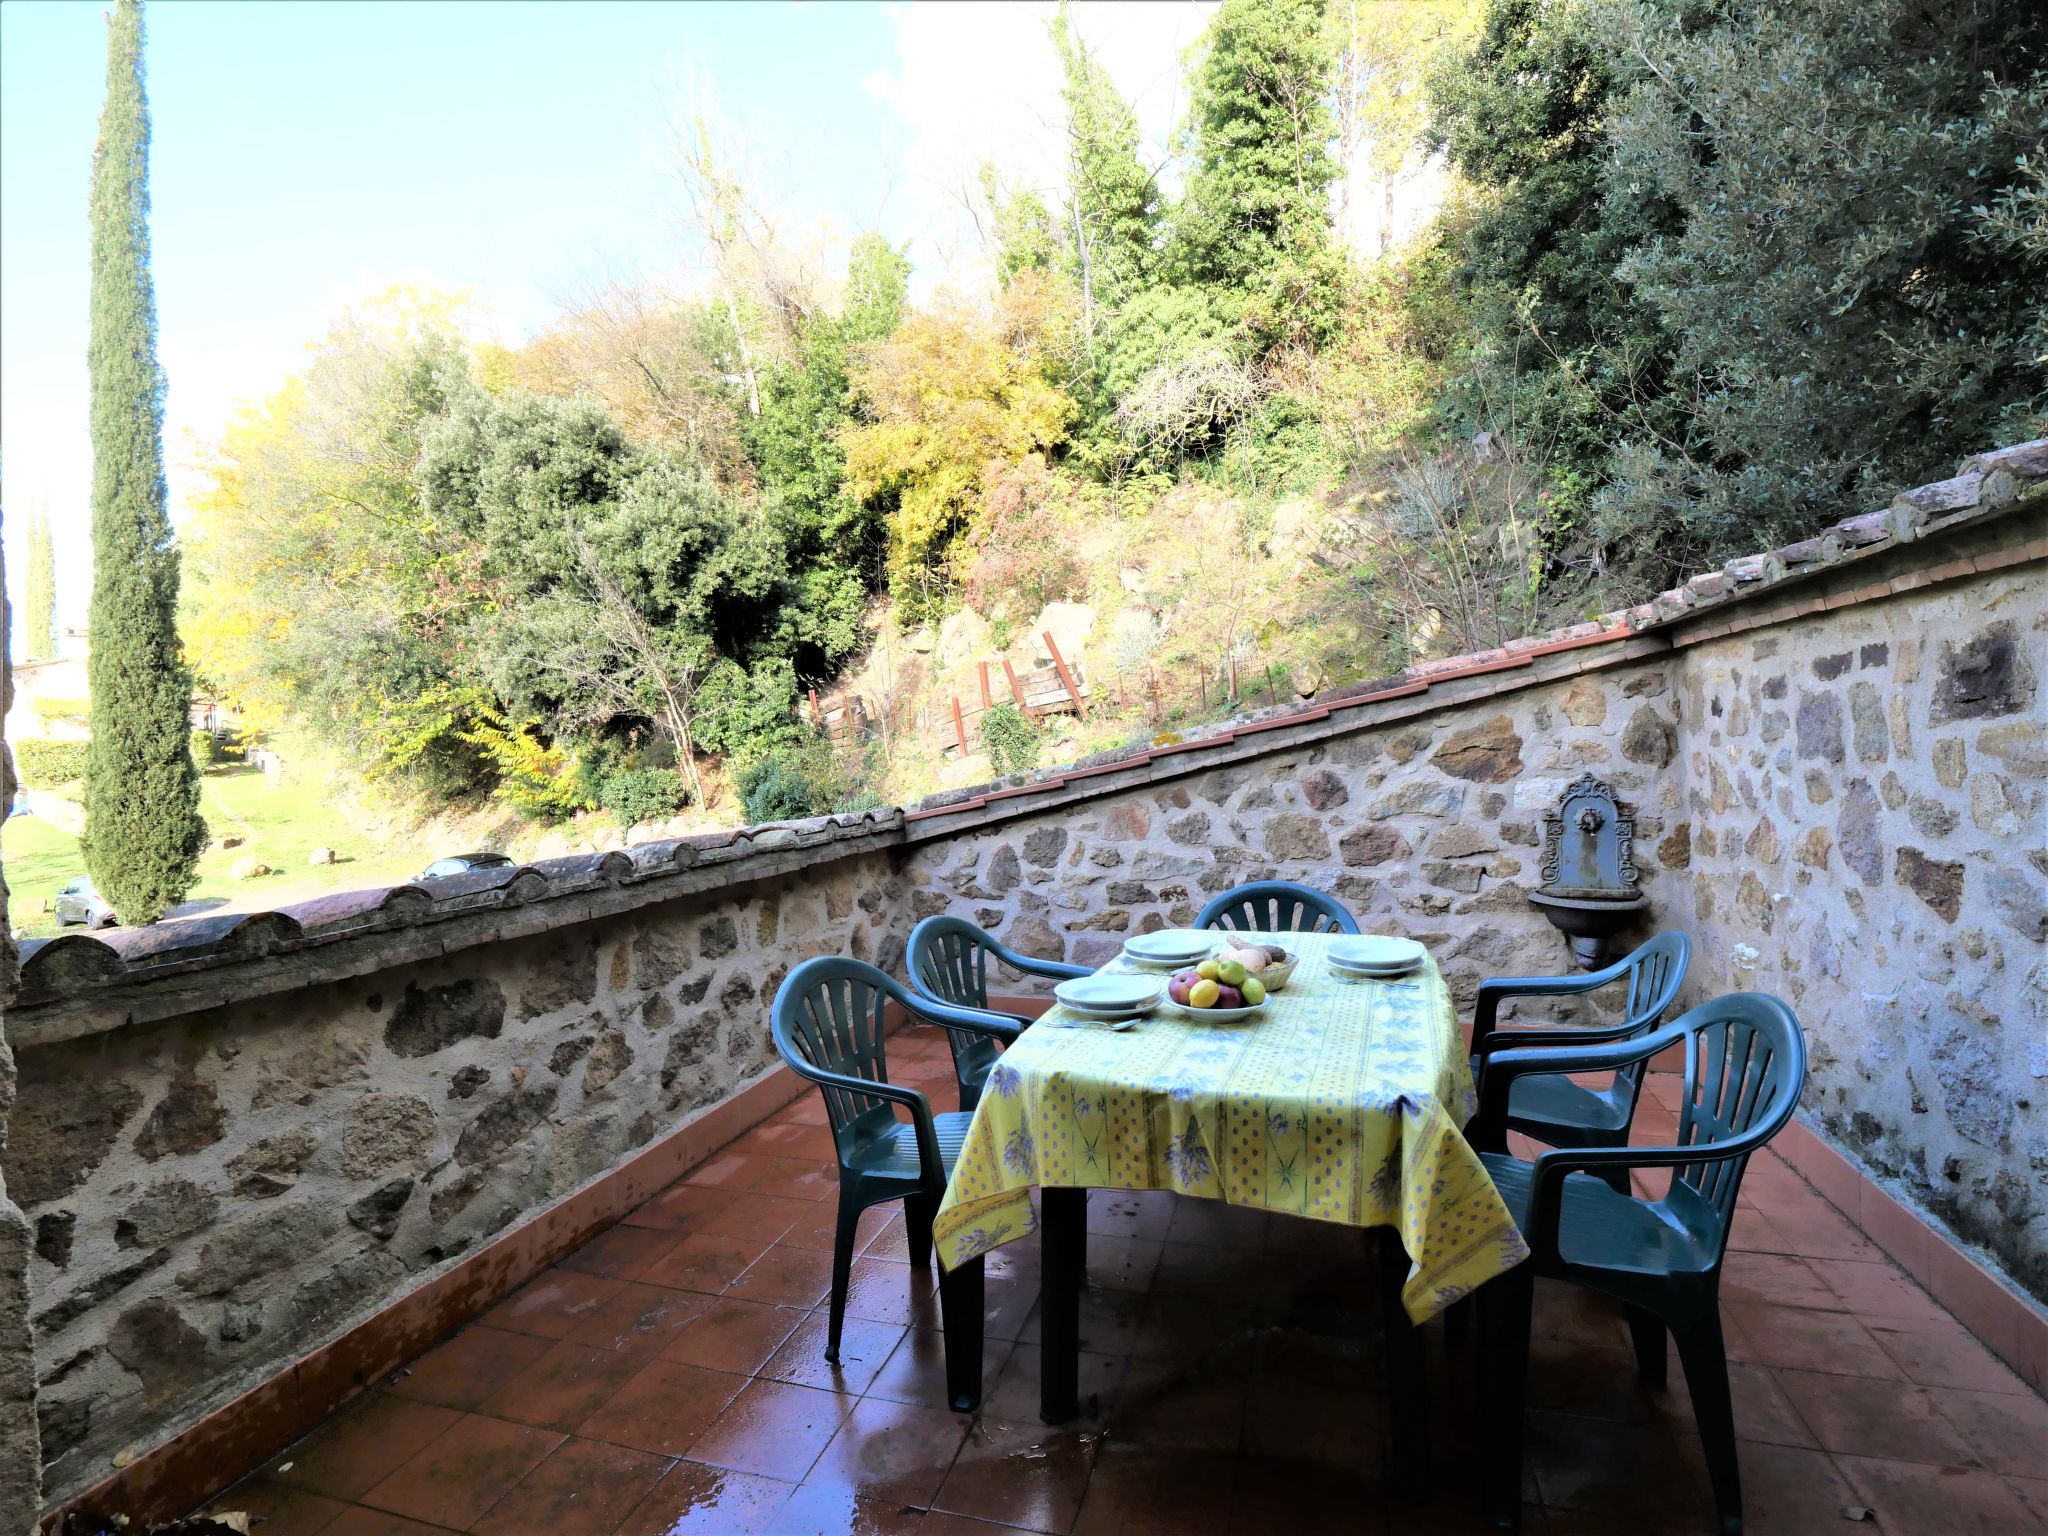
78,902
461,864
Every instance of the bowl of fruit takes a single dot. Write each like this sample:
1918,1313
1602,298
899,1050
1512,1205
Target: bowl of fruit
1218,991
1271,963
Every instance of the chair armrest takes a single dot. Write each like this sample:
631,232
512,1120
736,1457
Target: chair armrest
1546,1185
1508,1039
1055,970
981,1021
1499,1068
1497,990
932,1164
1052,970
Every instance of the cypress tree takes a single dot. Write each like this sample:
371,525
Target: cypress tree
39,620
142,827
1258,196
1115,206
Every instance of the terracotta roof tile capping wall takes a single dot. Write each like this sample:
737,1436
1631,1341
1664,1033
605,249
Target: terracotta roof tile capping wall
2008,481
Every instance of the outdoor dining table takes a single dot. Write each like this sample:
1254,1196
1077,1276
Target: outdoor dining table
1344,1100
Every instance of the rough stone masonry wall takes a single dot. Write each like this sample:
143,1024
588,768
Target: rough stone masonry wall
20,1466
1427,827
1849,811
1867,794
215,1194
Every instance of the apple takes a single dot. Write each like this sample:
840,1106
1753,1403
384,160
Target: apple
1177,987
1230,973
1254,991
1229,997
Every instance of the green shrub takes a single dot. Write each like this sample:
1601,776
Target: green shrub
639,795
778,788
203,749
1013,742
808,780
49,764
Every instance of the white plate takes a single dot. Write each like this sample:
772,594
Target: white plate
1373,952
1112,993
1371,971
1216,1015
1170,946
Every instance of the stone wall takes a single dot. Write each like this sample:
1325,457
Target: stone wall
1428,826
20,1466
1868,799
216,1193
1846,806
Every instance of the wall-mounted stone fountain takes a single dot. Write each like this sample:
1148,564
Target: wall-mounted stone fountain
1589,889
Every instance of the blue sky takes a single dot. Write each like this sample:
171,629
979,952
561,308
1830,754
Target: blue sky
307,155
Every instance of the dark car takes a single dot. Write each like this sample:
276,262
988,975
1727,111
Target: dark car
461,864
78,902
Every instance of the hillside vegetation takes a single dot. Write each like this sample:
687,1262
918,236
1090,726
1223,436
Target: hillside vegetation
1705,279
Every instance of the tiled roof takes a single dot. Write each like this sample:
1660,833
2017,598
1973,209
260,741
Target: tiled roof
1988,485
73,963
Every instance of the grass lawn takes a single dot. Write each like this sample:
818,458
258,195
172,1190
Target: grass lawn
281,819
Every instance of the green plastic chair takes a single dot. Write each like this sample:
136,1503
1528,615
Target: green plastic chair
828,1025
1745,1063
1276,906
947,961
1553,1109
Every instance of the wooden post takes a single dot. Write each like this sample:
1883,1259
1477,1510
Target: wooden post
817,714
1016,688
959,726
985,699
1066,677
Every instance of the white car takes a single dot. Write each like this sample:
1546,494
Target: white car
78,902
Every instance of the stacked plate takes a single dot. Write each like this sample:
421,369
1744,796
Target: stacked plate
1110,999
1373,956
1170,948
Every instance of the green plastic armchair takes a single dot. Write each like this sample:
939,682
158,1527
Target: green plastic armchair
1276,906
827,1022
1551,1108
947,961
1745,1064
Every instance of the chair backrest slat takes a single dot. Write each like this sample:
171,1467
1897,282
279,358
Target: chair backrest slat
1745,1064
1276,906
1654,973
829,1014
949,958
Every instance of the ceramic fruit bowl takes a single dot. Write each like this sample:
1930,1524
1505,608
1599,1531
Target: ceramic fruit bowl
1217,1014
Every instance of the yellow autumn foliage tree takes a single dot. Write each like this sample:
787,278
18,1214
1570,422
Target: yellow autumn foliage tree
951,400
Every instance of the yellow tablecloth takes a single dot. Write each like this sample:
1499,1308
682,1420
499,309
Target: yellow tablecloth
1344,1102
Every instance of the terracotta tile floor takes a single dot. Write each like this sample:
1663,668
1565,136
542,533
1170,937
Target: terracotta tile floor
669,1378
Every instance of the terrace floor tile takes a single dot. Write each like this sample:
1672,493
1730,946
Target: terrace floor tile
669,1379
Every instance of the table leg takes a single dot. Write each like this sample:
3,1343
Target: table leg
1063,1263
1407,1374
961,1304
